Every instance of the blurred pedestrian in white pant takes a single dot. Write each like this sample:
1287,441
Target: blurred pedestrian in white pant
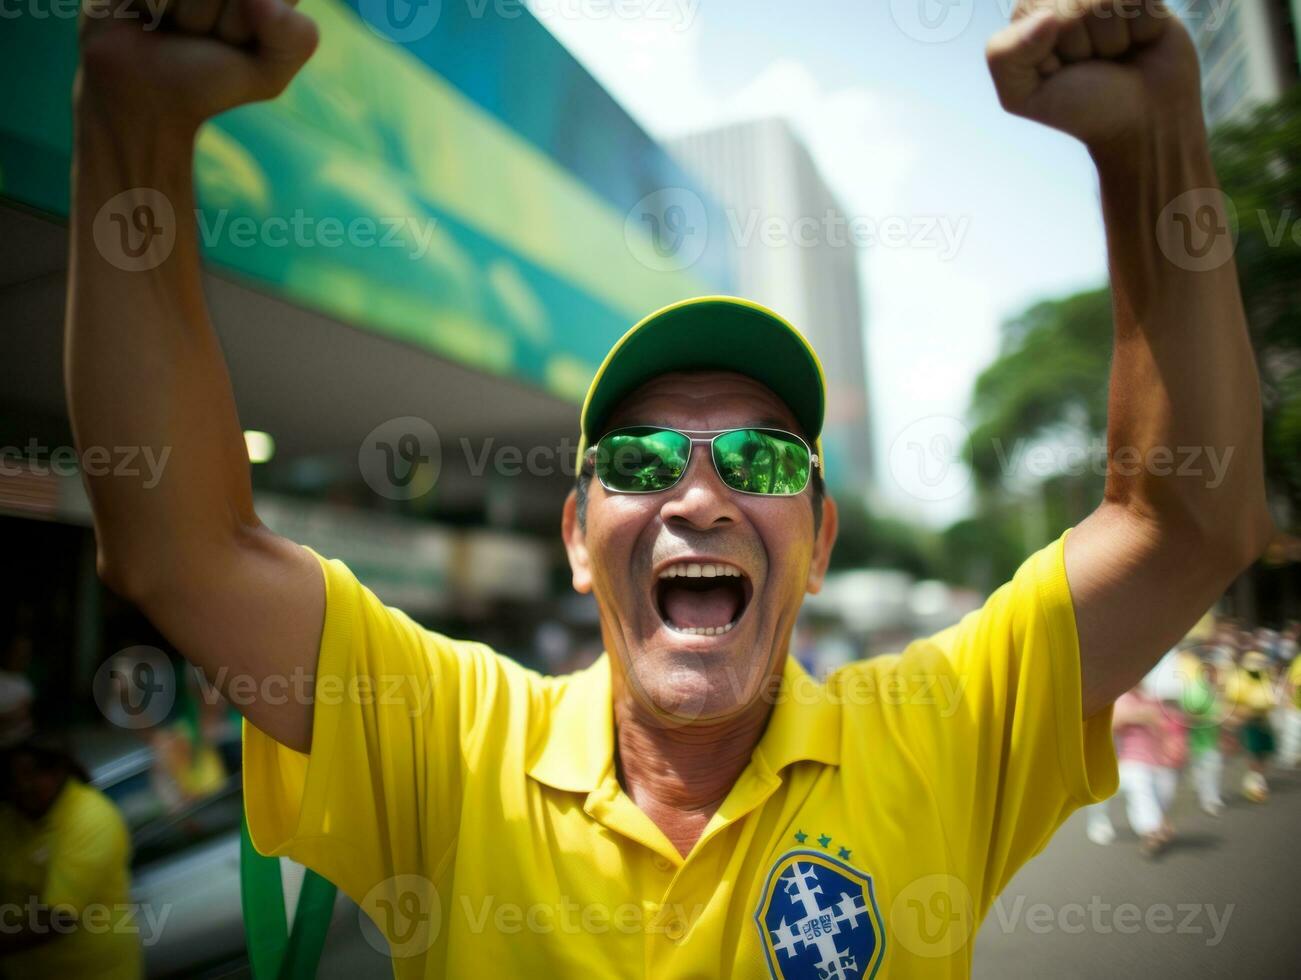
1151,748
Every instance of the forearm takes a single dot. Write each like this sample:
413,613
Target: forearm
1184,504
144,367
1184,416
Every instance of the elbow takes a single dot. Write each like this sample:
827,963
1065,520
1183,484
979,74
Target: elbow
1227,542
1259,531
113,573
1238,535
125,577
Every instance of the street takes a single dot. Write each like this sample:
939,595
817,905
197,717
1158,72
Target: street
1221,902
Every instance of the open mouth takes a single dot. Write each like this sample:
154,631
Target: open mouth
702,598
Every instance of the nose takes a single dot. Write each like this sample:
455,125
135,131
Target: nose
700,500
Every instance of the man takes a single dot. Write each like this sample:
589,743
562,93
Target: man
1250,692
1202,702
1149,742
63,870
692,805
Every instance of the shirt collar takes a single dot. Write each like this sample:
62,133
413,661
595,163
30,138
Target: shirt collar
576,744
575,747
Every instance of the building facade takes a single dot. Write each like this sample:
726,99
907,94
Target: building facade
791,244
1248,51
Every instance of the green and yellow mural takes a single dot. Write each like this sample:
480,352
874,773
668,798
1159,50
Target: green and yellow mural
467,188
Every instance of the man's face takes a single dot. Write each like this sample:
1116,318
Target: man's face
696,647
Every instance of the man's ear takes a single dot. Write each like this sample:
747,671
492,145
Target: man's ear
576,545
822,546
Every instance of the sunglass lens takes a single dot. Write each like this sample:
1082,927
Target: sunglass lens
641,460
762,461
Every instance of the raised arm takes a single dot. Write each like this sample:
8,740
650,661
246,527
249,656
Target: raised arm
1184,508
144,367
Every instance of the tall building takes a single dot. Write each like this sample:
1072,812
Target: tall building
792,251
1248,51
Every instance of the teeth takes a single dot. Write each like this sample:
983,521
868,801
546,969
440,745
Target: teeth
697,570
702,630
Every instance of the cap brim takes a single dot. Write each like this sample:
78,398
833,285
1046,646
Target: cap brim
711,333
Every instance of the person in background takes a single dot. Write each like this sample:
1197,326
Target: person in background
63,867
1098,826
1172,757
1290,753
1165,685
1147,777
1204,708
1250,694
187,762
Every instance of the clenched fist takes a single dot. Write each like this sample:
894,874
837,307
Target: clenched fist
201,58
1107,72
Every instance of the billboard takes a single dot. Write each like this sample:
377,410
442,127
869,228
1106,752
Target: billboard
441,173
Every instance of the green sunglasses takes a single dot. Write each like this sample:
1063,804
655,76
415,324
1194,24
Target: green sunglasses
650,459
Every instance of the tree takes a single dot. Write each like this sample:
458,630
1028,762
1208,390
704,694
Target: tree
1259,162
1048,385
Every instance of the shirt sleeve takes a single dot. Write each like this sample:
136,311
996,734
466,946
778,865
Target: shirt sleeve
1015,757
401,716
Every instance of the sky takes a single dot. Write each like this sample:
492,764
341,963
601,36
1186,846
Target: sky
894,100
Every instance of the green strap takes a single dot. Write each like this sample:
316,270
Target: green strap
311,925
274,952
265,930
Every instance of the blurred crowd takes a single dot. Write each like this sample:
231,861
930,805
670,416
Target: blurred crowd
1228,693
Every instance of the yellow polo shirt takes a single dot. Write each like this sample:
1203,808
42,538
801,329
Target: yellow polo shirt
73,860
472,807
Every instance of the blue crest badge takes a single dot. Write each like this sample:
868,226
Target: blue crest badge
818,920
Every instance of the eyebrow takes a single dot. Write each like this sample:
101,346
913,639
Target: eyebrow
767,422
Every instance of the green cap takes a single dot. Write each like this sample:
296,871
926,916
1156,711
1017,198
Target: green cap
711,333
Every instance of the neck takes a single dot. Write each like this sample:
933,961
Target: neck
680,775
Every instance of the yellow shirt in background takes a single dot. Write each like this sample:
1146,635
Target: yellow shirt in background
74,857
472,807
1252,696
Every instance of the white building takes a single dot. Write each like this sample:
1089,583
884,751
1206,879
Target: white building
1248,51
792,245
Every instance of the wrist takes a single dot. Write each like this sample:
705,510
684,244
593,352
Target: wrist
129,141
1172,151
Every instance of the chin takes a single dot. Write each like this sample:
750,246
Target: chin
688,685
